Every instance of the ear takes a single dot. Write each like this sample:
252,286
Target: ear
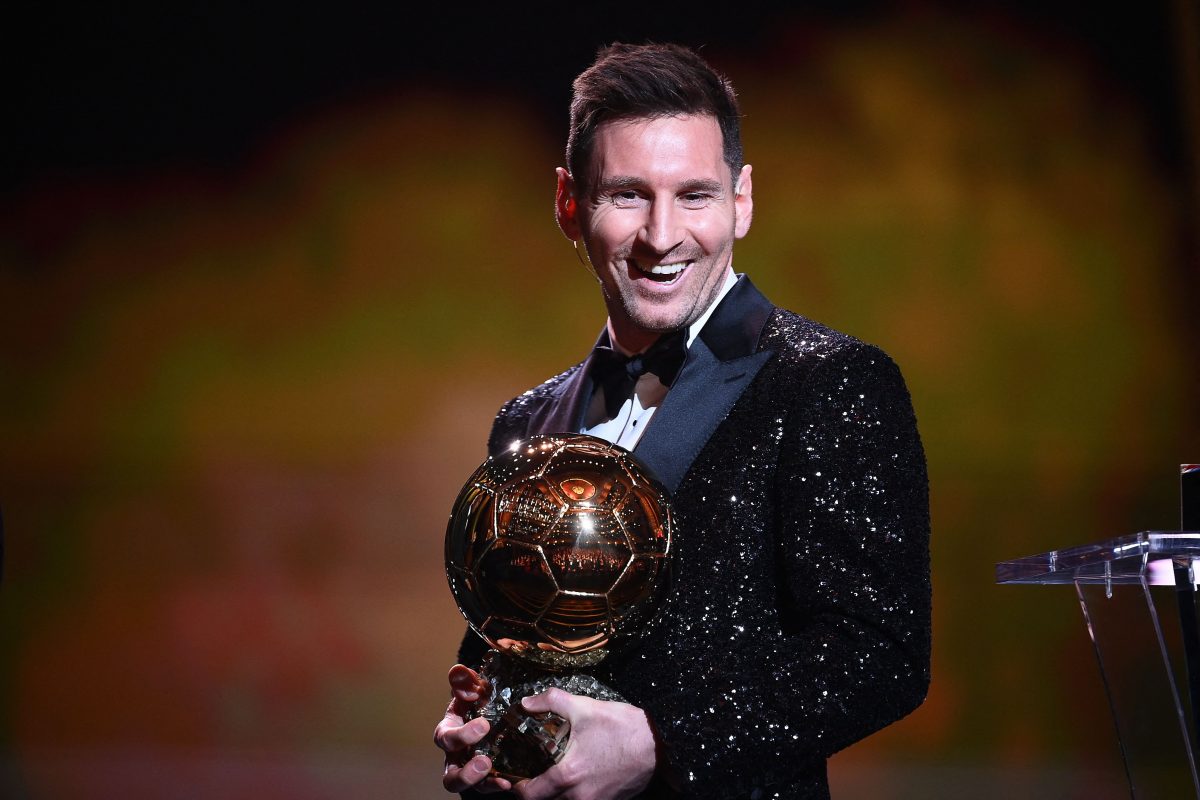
743,202
566,205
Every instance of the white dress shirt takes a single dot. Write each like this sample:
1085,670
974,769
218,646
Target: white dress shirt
626,428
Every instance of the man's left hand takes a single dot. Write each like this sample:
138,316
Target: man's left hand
611,755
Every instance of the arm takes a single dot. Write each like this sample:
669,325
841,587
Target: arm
850,528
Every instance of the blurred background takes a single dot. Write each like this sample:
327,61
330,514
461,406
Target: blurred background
266,274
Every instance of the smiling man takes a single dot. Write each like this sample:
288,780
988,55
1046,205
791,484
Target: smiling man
659,210
799,619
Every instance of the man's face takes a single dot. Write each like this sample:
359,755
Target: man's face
659,221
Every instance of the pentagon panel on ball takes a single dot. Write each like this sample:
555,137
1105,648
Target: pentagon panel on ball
559,546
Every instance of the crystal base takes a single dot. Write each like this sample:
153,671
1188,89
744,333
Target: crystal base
522,745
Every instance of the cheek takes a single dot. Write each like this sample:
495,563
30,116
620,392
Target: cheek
611,232
713,234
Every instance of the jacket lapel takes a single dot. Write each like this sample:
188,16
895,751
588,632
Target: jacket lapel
701,398
721,363
563,411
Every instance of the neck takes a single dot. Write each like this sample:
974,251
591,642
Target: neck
631,341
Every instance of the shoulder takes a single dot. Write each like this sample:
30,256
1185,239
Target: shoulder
550,387
546,390
838,391
806,345
512,420
831,375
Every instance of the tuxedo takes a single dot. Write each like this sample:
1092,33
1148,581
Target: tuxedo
799,619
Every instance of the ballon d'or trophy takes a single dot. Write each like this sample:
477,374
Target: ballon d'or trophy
558,550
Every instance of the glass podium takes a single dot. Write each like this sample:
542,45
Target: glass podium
1138,597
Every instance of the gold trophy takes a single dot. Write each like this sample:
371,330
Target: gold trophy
558,550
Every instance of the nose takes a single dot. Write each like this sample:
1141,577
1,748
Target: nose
661,232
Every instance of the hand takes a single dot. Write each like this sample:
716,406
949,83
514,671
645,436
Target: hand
456,738
611,753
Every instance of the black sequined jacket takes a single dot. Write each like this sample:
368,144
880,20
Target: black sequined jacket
800,618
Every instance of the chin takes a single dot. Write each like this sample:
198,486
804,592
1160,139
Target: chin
652,318
662,324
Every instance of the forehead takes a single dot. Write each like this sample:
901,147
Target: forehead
666,148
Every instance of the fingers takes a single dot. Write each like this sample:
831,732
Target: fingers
562,703
550,784
535,789
456,738
493,785
559,778
458,779
466,684
473,774
452,736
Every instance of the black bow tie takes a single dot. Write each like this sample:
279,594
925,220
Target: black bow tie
618,374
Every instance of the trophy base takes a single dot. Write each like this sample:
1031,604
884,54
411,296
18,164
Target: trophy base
522,745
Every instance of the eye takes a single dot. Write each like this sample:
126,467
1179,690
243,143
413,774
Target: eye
694,199
625,198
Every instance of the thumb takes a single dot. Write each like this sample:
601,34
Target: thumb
554,699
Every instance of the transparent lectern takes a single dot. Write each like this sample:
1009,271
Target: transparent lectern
1138,597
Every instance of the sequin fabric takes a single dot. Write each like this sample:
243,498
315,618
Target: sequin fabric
800,620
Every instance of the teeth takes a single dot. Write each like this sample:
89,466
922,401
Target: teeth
667,269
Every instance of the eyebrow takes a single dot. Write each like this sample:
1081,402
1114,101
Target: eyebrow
619,182
702,185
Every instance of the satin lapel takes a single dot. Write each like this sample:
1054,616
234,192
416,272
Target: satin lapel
699,401
563,412
721,362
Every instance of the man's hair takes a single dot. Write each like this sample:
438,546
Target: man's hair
629,81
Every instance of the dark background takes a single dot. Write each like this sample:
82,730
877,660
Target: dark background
98,90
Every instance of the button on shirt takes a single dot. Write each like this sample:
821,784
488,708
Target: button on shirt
625,429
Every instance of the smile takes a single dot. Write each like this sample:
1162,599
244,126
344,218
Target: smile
664,273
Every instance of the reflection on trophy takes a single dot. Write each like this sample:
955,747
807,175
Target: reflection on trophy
557,551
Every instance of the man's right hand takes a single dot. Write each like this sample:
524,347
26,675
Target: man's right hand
457,738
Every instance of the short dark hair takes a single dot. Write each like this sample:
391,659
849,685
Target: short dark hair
630,81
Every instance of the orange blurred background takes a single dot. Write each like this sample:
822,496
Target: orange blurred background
254,336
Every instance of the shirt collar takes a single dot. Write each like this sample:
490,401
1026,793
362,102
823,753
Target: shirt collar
695,328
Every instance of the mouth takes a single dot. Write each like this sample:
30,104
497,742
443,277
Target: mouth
662,273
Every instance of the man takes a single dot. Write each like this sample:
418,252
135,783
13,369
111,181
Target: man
799,621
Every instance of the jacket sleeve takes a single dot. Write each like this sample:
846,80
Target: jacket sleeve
851,534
